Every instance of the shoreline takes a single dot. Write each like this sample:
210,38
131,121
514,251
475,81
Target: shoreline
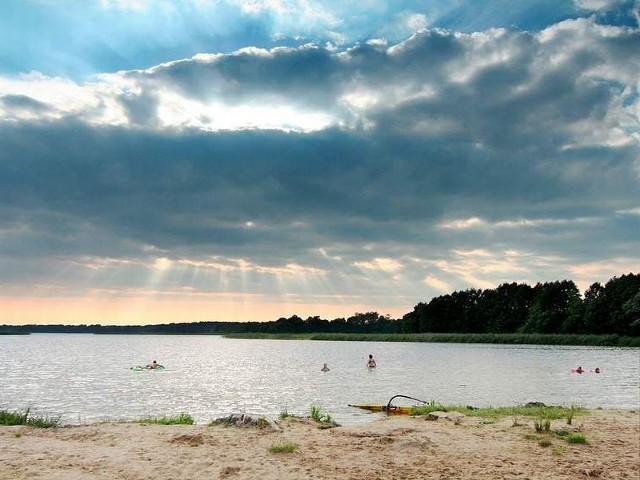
578,340
397,447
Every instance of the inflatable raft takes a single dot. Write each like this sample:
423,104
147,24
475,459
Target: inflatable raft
138,368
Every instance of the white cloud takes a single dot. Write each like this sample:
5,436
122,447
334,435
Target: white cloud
162,263
479,223
416,22
138,5
438,284
225,92
630,211
383,264
602,270
463,224
597,5
96,103
484,268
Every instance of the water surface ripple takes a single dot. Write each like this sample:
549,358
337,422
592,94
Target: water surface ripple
86,378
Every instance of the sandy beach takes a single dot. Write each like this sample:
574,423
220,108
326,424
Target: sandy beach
387,448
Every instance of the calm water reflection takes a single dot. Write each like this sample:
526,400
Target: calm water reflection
86,378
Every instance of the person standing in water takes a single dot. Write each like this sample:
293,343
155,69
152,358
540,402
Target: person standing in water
371,363
325,368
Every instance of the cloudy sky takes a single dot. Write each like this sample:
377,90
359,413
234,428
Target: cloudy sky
190,160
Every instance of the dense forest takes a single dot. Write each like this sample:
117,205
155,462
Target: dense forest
546,308
552,307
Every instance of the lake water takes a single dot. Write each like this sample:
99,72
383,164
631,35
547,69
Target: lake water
87,378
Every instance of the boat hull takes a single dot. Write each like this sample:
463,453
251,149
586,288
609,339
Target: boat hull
391,409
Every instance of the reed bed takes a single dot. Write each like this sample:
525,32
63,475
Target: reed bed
493,338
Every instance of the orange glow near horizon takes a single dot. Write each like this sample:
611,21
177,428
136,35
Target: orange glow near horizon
145,311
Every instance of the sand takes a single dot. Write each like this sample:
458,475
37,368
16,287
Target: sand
388,448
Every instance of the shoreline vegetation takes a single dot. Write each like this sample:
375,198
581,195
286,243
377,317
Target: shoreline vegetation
535,442
10,418
534,410
471,338
490,338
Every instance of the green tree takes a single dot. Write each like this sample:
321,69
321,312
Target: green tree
411,321
596,312
316,324
618,291
468,312
632,310
555,307
506,307
439,315
293,324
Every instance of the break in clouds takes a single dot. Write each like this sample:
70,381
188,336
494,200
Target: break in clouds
381,174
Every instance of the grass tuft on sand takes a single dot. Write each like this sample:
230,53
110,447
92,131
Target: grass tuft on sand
285,447
538,411
180,419
9,418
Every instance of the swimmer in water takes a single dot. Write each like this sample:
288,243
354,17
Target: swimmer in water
371,363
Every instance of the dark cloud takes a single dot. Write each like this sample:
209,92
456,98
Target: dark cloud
281,74
23,104
491,130
140,109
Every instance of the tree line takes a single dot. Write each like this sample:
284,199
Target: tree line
547,308
550,307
